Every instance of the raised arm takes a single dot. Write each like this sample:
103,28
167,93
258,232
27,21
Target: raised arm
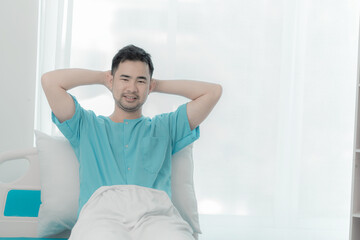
56,83
204,96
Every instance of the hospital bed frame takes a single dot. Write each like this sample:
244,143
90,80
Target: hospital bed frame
20,200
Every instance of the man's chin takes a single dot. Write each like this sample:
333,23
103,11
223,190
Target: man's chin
129,109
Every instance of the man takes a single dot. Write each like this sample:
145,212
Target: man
126,151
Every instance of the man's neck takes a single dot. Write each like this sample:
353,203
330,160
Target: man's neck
119,115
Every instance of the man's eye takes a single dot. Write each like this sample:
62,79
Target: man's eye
141,81
124,79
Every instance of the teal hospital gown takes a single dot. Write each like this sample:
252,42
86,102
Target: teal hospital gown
133,152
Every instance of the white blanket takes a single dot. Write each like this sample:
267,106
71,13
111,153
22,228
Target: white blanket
128,212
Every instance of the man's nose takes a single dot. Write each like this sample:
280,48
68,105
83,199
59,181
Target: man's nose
132,86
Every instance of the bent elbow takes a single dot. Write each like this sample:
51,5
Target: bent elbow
44,79
217,91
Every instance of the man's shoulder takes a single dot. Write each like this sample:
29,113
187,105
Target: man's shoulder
180,109
159,118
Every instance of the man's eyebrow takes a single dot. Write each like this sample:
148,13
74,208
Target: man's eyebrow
139,77
125,76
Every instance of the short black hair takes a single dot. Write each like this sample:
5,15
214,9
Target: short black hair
132,53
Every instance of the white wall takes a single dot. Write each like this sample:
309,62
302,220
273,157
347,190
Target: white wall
18,49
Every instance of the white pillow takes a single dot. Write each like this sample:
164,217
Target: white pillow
59,171
59,175
182,187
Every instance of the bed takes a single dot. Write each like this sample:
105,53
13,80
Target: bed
42,204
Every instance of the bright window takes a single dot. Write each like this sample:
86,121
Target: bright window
276,151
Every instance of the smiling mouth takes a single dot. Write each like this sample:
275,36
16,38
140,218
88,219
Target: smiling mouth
130,98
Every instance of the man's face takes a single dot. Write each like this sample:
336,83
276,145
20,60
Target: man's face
131,85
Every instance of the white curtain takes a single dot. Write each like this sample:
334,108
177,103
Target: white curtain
54,45
274,157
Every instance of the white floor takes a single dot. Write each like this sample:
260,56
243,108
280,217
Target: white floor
246,228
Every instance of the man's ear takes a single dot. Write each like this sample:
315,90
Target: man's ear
152,85
109,81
